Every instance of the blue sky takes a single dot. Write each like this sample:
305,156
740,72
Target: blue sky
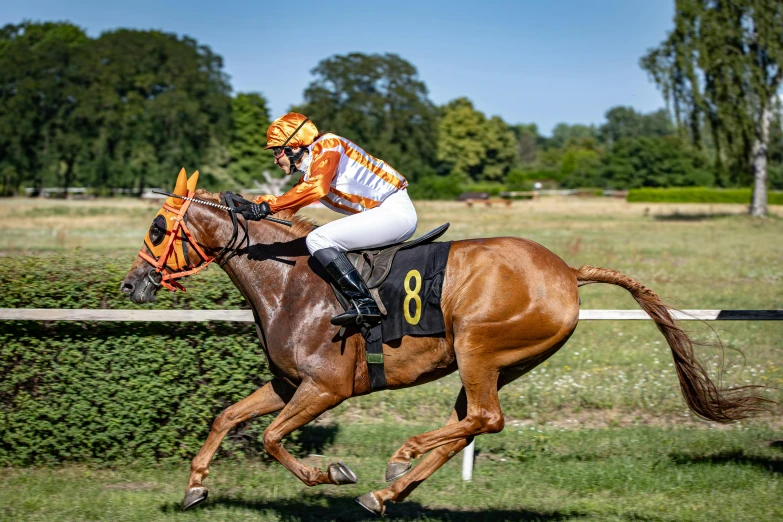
527,61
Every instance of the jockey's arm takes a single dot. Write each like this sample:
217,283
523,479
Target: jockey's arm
313,186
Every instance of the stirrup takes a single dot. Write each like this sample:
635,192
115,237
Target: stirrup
348,318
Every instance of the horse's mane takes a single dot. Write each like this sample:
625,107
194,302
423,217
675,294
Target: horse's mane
301,225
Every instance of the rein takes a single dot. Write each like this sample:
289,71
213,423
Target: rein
231,201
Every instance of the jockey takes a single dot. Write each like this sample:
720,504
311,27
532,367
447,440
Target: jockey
347,180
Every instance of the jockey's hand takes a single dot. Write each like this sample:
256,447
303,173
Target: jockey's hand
254,211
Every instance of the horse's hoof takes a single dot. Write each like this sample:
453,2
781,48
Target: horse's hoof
395,470
371,504
194,496
341,474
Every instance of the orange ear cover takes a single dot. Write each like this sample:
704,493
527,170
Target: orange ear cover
180,189
192,182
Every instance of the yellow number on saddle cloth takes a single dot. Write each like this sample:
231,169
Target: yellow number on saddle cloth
412,293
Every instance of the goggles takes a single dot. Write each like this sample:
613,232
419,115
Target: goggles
279,151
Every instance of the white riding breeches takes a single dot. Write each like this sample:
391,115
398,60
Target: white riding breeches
392,221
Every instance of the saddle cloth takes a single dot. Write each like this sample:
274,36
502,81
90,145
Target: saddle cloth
411,292
405,279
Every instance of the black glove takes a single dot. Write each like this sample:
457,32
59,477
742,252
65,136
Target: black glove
254,211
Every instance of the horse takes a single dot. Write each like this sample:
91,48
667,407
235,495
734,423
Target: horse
508,305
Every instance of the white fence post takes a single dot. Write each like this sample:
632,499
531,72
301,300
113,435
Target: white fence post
467,460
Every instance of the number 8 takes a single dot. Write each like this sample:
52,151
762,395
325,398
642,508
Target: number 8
412,293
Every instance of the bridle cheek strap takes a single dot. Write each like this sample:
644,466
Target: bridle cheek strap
168,275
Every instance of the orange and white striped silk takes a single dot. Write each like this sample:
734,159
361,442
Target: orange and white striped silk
343,176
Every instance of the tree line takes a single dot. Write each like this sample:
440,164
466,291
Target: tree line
129,108
720,70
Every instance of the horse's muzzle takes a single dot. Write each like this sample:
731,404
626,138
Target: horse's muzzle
140,286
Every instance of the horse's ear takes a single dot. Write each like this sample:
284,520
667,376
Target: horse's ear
192,182
180,189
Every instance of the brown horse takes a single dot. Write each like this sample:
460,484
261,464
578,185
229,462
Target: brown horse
508,304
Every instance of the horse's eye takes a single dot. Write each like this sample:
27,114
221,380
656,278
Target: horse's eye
157,230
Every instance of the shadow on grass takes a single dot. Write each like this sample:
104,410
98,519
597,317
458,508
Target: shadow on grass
320,508
772,465
776,444
314,439
704,216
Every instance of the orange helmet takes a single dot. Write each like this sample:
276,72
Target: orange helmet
292,130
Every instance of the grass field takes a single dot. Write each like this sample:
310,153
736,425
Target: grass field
632,473
599,432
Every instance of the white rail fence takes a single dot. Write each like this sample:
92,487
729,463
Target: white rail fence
246,316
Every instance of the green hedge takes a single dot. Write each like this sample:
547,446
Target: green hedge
697,195
118,392
436,187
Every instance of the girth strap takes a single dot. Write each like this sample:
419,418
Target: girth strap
374,356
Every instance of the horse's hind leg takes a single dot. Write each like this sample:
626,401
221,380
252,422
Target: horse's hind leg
404,486
268,399
483,416
309,401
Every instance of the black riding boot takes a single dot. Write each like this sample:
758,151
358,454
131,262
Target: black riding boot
352,286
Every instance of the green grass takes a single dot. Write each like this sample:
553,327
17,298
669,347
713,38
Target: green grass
528,473
598,432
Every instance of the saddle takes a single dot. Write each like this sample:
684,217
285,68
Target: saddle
374,265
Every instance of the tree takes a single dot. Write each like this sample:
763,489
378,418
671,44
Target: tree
124,110
379,102
528,142
654,162
722,65
776,154
43,115
564,134
470,145
501,149
461,143
249,123
160,101
625,122
580,167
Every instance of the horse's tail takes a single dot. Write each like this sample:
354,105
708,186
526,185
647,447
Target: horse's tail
704,398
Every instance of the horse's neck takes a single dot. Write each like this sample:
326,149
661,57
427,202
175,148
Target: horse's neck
262,286
269,272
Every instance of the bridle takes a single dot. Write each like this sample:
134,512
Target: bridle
163,275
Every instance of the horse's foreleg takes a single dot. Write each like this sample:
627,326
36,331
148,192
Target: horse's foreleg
268,399
308,402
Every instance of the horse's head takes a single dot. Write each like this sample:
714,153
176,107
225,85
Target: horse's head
169,251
